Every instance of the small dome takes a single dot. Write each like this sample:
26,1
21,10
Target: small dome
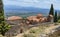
31,17
14,18
40,15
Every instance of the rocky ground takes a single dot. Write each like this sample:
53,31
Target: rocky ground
41,31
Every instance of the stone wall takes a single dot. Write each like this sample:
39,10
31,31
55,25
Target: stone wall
17,28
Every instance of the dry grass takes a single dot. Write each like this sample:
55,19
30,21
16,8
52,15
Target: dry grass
37,30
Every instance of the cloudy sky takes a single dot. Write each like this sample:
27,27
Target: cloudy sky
33,3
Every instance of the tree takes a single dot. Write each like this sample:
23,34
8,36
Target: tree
4,27
51,10
59,16
1,12
55,17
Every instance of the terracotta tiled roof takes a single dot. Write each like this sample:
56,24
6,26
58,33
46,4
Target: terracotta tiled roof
39,15
31,17
14,18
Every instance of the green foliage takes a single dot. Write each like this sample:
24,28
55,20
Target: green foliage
33,31
4,27
1,18
55,17
51,10
58,21
58,17
28,35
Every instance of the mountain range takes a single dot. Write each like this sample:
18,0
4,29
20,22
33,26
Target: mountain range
19,10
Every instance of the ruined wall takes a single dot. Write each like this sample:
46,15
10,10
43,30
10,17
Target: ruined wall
17,28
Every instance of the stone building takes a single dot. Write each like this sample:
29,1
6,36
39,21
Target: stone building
39,18
50,18
14,20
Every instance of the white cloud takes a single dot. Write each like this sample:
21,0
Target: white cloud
33,3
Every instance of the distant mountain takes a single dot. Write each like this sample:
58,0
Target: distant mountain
15,10
22,9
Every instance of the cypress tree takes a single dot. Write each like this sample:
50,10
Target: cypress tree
59,16
1,12
51,10
4,27
55,17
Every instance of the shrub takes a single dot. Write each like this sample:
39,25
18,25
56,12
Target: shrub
4,27
28,35
33,31
58,21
